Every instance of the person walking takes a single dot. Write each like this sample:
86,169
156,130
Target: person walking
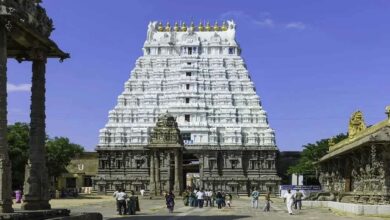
192,198
255,199
200,197
116,201
298,199
213,198
229,199
18,196
170,201
219,198
132,204
186,195
268,200
289,200
208,198
142,191
196,190
121,197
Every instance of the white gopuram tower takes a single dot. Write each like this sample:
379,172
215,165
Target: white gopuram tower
195,74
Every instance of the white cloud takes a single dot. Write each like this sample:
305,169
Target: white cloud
236,15
233,15
268,22
263,20
295,25
18,88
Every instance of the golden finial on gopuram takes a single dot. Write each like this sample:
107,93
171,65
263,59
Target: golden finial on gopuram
224,26
192,26
168,27
176,27
216,27
201,27
160,26
208,27
183,26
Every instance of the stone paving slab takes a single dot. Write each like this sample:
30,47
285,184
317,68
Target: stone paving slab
156,210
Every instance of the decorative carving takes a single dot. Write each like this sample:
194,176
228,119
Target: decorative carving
331,142
29,13
166,131
356,124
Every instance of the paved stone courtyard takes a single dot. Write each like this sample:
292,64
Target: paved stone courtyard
155,210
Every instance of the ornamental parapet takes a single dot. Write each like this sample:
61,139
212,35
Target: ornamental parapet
202,27
358,130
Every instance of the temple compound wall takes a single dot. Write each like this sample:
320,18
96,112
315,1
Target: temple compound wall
358,169
195,74
237,171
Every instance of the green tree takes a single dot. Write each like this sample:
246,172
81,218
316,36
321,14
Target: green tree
59,152
18,137
312,153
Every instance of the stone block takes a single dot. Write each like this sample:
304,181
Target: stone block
383,210
370,210
356,209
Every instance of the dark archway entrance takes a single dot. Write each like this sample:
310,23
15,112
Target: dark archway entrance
191,171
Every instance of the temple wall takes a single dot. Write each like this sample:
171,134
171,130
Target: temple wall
234,171
362,174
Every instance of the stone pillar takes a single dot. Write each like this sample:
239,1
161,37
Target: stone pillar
36,183
158,177
152,185
201,169
169,172
181,177
177,185
5,164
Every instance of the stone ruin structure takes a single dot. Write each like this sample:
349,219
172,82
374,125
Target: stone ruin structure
357,169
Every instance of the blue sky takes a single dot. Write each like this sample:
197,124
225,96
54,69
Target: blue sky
313,62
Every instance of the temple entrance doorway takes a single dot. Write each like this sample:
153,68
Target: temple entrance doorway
191,174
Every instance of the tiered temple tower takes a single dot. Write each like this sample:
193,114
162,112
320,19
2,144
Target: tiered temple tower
197,75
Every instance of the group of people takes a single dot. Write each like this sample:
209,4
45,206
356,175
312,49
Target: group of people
207,198
293,199
267,200
126,204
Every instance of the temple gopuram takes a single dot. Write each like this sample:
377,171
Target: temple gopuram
357,169
197,75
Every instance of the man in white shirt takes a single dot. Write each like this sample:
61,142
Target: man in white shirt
116,201
196,199
200,197
207,198
289,200
255,199
142,192
121,197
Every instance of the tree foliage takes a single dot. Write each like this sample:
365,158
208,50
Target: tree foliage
59,152
312,153
18,137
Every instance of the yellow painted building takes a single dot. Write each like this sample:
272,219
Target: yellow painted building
81,170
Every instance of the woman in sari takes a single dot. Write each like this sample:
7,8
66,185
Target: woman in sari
170,201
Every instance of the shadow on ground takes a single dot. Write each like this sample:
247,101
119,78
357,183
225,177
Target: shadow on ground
188,217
